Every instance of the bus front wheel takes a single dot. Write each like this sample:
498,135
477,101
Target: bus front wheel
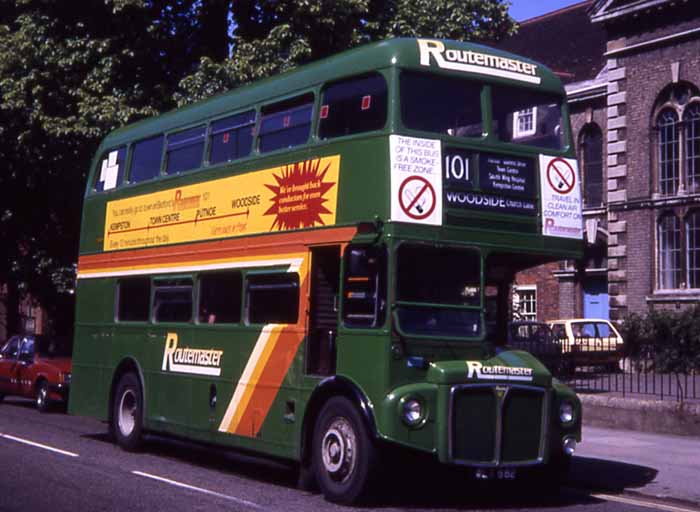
344,456
127,413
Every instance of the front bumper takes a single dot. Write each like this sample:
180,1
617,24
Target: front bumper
59,392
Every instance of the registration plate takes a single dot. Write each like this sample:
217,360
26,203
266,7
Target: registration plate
505,474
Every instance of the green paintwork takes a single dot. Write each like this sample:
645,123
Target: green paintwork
375,360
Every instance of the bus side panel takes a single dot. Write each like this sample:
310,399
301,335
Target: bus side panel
91,378
364,173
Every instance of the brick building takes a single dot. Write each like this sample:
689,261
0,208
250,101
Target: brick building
631,69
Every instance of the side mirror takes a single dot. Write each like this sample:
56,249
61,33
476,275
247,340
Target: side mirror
26,358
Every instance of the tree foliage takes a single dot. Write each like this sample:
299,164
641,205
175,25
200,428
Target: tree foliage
272,37
69,73
72,71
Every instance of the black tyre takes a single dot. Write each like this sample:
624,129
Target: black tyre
127,413
41,399
344,458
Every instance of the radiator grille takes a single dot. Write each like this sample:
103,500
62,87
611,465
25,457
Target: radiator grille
495,425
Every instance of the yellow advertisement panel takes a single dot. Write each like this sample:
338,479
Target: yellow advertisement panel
294,196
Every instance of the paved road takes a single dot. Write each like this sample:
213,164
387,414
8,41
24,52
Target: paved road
661,466
71,466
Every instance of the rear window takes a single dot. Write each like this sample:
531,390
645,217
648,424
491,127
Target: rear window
353,106
286,124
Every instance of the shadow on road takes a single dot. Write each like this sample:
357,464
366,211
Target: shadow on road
600,475
418,482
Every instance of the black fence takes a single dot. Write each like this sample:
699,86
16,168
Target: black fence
601,365
634,378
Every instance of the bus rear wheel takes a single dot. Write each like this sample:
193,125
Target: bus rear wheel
344,457
127,413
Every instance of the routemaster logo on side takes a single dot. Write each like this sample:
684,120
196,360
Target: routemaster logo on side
476,62
190,360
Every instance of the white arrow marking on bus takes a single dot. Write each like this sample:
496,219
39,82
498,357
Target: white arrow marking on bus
38,445
196,489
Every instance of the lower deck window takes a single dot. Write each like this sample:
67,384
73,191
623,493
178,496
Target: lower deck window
220,298
273,298
133,296
172,300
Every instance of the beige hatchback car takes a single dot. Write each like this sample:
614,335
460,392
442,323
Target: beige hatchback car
588,342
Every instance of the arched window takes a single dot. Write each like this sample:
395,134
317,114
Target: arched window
592,164
676,122
667,126
692,248
669,239
691,120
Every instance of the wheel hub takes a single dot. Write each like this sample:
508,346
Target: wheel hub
127,413
338,449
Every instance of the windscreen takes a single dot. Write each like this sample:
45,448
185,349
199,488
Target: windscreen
438,291
440,104
523,116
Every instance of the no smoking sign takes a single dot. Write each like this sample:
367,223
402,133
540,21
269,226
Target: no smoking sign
561,176
417,197
416,180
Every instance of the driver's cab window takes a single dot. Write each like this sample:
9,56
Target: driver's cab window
364,286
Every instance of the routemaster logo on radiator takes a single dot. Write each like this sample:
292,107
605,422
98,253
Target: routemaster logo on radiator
479,371
190,360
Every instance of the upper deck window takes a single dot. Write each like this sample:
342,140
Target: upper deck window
527,117
431,103
111,169
232,137
145,163
185,150
286,124
353,106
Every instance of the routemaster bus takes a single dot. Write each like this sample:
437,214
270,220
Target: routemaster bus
318,266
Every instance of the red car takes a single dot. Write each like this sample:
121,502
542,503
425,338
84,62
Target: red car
37,367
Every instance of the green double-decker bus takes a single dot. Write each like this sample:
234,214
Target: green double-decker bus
318,266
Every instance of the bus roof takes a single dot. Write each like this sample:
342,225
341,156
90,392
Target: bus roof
440,56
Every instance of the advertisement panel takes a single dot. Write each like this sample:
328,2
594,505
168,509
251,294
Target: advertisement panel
294,196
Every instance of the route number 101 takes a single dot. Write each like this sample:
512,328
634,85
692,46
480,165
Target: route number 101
457,168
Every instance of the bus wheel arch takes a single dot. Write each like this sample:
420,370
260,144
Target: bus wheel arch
127,367
325,391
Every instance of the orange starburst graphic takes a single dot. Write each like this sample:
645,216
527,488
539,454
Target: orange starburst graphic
299,196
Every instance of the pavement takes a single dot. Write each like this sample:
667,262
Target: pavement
640,446
658,466
611,410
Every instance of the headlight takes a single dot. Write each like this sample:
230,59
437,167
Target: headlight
66,378
566,413
412,412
